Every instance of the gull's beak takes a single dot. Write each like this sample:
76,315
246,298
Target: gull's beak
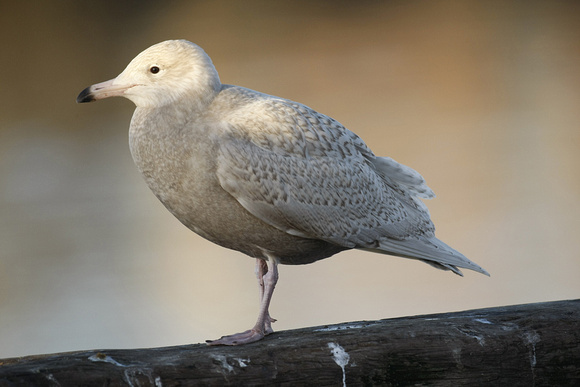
102,90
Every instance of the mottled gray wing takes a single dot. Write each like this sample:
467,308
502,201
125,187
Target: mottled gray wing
339,200
346,203
304,173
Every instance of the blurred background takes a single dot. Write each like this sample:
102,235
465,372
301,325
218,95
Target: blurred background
482,98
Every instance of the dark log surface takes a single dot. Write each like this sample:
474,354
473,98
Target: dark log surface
523,345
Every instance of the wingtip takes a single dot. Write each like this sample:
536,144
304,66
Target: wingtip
478,269
475,267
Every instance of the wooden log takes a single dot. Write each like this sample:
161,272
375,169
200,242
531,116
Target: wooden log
523,345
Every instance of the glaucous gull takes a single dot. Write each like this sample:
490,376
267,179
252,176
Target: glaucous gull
264,175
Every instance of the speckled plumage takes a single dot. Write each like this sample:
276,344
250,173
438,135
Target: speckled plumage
263,175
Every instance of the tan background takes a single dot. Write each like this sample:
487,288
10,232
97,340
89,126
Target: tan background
483,98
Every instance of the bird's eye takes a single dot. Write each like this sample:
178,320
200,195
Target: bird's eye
154,69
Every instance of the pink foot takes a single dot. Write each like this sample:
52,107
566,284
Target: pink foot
246,337
267,277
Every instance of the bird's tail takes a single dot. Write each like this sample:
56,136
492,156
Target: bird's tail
429,250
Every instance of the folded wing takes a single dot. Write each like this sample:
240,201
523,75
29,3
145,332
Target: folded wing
307,175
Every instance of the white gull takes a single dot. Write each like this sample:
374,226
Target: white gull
264,175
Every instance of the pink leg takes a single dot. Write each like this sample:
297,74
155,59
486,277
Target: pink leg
267,277
261,270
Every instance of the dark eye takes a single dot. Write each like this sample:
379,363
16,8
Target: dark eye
154,69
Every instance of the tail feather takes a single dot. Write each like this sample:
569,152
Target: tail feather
429,250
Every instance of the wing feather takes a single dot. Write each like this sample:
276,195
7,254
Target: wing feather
306,174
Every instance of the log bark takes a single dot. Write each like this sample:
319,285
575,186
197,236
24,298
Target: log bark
524,345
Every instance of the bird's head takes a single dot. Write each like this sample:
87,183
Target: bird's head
160,75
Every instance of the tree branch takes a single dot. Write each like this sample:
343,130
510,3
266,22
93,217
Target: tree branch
534,344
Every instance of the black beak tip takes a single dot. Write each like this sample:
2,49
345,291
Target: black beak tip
85,96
